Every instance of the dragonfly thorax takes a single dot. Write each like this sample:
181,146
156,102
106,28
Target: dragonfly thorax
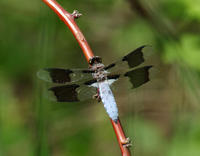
100,74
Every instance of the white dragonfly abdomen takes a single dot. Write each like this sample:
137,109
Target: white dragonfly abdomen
108,100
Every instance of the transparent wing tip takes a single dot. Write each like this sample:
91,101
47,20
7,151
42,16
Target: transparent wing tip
44,75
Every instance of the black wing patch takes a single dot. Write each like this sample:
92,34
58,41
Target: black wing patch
115,76
65,93
57,75
138,76
72,93
90,82
110,66
132,59
109,77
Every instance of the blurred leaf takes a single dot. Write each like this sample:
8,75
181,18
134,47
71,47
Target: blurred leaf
132,36
186,52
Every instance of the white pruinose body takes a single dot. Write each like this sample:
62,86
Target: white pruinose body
108,99
104,91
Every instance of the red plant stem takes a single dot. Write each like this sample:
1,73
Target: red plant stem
68,19
121,138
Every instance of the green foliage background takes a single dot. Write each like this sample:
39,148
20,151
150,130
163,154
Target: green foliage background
161,117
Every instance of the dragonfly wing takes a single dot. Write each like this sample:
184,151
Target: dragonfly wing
137,77
76,92
86,92
71,93
131,60
62,76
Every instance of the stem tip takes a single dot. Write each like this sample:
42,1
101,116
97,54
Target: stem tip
76,14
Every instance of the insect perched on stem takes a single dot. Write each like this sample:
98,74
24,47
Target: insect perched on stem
82,84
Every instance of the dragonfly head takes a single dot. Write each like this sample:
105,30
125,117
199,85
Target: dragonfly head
95,60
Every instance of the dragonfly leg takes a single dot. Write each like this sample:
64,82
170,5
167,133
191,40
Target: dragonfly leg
97,96
127,142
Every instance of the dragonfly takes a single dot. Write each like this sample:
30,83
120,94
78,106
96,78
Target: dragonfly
74,85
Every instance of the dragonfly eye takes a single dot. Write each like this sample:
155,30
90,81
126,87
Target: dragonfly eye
95,60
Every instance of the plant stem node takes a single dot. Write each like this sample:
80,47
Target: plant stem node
76,14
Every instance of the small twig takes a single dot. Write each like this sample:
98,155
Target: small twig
76,14
68,19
